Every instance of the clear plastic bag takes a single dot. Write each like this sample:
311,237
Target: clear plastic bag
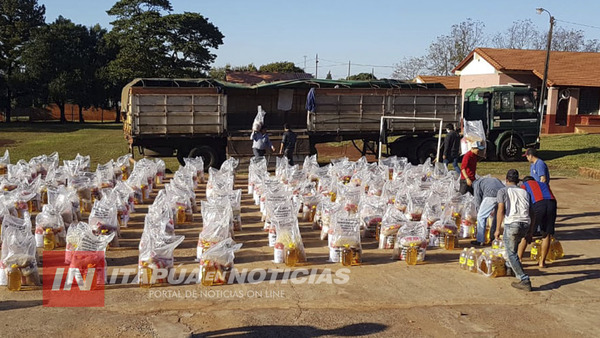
156,250
86,249
416,204
345,238
349,197
18,250
217,225
468,219
216,262
103,220
259,119
371,213
123,164
197,163
50,230
4,162
411,234
288,238
392,221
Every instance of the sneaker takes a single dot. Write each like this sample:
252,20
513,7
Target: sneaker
476,243
524,285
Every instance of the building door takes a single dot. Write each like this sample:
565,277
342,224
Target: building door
561,112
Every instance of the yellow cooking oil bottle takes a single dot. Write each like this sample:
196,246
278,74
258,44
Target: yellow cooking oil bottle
346,256
462,261
536,249
450,239
556,248
49,239
14,278
145,275
291,255
411,254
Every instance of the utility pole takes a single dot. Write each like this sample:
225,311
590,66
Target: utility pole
347,77
304,69
316,66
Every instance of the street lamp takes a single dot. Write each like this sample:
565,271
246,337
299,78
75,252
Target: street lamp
543,93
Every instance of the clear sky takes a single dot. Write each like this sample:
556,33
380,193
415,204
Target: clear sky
372,34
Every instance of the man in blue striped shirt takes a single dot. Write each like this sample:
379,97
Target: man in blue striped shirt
260,142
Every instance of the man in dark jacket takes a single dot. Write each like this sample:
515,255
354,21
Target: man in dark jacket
451,147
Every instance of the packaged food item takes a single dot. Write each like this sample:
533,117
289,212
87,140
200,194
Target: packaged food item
216,263
391,222
49,229
197,165
18,252
290,240
123,164
536,250
103,220
87,250
217,226
556,249
345,245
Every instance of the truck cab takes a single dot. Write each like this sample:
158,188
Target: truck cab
509,117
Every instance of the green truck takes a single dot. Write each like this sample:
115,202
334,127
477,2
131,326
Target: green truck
509,117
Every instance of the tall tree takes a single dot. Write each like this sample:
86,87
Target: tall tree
57,58
523,34
281,67
18,20
448,50
362,77
328,77
410,68
152,42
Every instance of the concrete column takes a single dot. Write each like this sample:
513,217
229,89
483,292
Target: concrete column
552,105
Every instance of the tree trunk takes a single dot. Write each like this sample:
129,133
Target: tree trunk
118,115
61,106
80,114
8,111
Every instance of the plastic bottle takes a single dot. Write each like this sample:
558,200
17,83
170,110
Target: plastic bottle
497,244
278,253
49,239
346,256
484,264
462,261
291,255
487,235
145,275
449,240
356,256
536,249
209,271
411,254
557,248
498,266
14,278
471,261
180,219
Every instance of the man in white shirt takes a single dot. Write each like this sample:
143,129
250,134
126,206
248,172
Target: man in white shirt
513,214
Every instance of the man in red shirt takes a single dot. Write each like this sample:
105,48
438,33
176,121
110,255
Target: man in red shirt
468,168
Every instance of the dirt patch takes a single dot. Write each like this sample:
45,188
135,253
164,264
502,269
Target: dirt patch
6,142
590,173
328,151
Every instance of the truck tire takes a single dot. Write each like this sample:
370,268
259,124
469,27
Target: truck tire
209,155
510,151
427,149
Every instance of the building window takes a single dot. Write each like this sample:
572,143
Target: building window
589,101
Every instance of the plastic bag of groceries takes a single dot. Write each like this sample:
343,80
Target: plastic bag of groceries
26,198
50,231
216,220
123,165
349,197
160,171
274,198
416,204
160,212
438,231
288,239
473,132
229,166
89,252
4,162
309,201
65,202
18,250
180,203
105,175
138,182
41,164
259,119
256,168
310,164
218,180
156,253
77,166
392,221
197,163
281,166
57,176
103,220
433,210
124,202
389,163
235,200
327,209
468,219
216,263
371,213
343,170
345,238
149,169
83,186
411,234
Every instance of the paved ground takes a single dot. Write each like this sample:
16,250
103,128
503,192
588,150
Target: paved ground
382,297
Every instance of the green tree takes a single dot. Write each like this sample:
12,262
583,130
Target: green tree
58,60
362,77
328,77
153,42
281,67
18,20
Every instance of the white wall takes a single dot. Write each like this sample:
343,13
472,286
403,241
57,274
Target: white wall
477,66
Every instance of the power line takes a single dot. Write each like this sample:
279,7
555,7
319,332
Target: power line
578,24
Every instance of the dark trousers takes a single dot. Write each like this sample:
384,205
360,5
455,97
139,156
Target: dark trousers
465,188
289,153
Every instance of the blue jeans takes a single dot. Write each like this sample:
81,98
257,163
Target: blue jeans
485,210
454,164
513,234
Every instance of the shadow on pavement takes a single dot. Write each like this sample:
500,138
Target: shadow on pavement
583,214
554,154
583,275
19,304
353,330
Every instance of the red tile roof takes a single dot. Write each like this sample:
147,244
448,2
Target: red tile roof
252,78
450,82
564,68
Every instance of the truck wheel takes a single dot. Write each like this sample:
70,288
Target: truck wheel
209,155
427,150
510,151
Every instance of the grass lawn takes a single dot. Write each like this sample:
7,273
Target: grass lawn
564,154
